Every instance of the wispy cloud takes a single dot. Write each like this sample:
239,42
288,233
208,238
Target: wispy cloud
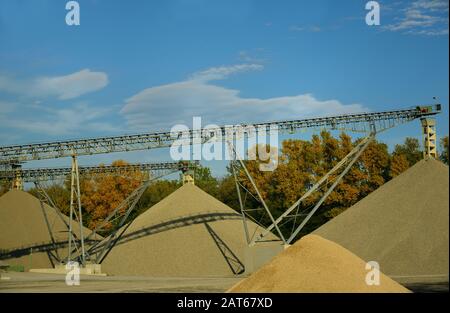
43,119
253,56
222,72
314,29
433,5
62,87
166,105
422,17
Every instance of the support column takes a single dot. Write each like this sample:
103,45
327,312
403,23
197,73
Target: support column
238,159
17,183
75,203
429,137
18,180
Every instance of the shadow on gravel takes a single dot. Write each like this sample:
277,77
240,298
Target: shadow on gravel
428,288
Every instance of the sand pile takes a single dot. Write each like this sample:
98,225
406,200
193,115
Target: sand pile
403,225
314,264
23,226
189,233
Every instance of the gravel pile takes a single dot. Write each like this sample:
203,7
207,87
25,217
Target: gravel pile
314,264
403,225
187,234
23,226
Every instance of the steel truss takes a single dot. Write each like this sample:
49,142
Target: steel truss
75,203
117,219
44,198
46,174
76,242
340,169
350,122
237,165
372,126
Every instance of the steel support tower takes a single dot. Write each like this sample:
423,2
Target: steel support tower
429,137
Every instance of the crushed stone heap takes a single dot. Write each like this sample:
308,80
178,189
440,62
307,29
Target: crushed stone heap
403,225
314,264
24,236
187,234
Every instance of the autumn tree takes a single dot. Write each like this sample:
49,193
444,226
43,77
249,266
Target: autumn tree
399,164
302,163
102,193
374,163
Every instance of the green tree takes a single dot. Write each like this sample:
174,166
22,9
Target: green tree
59,194
444,150
157,191
205,181
227,192
410,149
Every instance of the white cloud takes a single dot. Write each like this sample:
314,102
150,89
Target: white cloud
222,72
62,87
72,85
314,29
252,56
441,32
58,122
166,105
433,5
422,17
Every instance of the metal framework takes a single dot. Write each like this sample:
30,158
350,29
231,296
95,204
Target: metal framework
232,260
327,183
46,174
59,149
116,220
44,198
75,204
429,137
342,168
76,242
369,123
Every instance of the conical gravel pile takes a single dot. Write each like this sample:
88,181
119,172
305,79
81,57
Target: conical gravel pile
403,225
187,234
24,235
314,264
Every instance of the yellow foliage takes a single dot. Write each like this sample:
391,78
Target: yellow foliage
102,193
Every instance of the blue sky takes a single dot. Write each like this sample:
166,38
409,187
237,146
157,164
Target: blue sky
147,65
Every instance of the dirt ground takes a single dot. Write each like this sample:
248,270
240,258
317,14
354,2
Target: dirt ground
14,282
34,282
